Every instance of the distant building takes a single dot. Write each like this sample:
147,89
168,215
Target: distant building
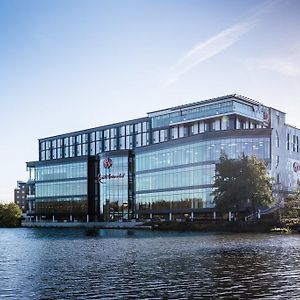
161,165
24,196
21,192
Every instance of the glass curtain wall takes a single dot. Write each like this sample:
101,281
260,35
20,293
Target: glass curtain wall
181,177
114,188
61,190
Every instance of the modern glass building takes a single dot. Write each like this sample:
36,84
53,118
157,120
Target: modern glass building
162,165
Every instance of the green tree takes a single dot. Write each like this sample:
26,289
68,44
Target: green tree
241,183
10,215
292,205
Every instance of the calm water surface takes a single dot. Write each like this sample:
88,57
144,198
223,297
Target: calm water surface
121,264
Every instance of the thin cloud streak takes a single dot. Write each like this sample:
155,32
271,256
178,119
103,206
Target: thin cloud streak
208,49
285,66
216,44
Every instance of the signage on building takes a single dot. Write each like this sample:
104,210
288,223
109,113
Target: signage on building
107,163
265,115
101,177
293,174
296,166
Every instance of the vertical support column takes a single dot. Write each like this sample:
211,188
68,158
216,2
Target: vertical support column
237,123
53,219
151,216
229,216
87,218
36,218
170,216
215,215
71,218
192,216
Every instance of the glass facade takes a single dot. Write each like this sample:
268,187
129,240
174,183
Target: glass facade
181,177
162,162
203,151
61,189
115,182
172,200
97,141
203,111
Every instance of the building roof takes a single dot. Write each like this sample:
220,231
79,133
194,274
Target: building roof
211,100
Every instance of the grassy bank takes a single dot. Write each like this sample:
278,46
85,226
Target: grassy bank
259,226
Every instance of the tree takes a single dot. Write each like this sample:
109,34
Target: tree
240,183
10,215
292,205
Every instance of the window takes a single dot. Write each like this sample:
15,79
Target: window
99,147
78,139
113,132
145,139
92,136
85,138
288,142
155,137
122,131
138,128
276,139
195,128
78,152
163,135
294,143
92,148
145,126
277,178
277,161
122,143
66,141
174,133
206,126
183,131
129,142
72,140
129,129
138,140
106,145
99,135
84,149
106,133
113,144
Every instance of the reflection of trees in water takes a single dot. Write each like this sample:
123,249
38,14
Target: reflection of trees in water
186,203
62,207
240,269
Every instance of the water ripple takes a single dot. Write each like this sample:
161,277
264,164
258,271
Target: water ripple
66,264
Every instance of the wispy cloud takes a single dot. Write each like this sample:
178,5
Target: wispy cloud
287,66
208,49
216,44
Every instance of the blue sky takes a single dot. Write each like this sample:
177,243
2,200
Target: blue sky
69,65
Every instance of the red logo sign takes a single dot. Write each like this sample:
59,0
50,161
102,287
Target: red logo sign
296,167
107,163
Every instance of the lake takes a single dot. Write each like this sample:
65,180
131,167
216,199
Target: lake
122,264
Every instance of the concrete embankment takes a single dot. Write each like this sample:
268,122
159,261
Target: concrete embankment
95,225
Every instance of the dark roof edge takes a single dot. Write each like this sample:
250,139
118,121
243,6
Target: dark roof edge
93,128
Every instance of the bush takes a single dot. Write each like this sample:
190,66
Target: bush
10,215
